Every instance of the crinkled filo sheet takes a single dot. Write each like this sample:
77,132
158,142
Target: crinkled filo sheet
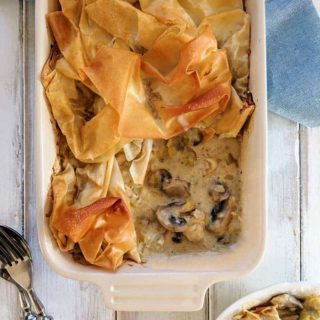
130,83
284,307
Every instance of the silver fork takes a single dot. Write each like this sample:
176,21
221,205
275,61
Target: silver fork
17,262
26,312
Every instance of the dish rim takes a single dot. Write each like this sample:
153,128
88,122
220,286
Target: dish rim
107,281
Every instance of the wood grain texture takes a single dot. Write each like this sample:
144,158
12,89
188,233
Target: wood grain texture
310,204
198,315
64,299
282,258
11,126
203,314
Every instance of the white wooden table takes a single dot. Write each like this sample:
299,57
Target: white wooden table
294,195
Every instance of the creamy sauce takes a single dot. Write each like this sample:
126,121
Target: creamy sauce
199,165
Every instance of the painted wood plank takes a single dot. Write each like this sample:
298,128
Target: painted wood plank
198,315
202,314
64,299
11,127
310,201
310,204
282,258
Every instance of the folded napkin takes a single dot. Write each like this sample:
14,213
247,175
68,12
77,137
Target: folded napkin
293,48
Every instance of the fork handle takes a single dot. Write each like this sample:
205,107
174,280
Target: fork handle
26,313
38,306
29,316
24,302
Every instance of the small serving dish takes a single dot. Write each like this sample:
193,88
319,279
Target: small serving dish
297,289
166,283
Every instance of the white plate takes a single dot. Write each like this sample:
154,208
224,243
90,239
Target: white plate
298,289
166,283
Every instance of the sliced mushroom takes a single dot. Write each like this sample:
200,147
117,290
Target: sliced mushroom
217,208
176,188
183,218
170,217
286,300
219,225
162,180
156,179
218,191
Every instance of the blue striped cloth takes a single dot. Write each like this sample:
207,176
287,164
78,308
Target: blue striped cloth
293,48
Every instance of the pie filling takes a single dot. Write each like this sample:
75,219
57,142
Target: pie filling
190,198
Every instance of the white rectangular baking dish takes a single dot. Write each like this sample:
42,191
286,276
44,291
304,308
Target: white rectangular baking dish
166,283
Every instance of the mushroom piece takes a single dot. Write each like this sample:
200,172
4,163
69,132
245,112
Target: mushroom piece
156,179
219,218
218,191
183,218
162,180
170,217
286,300
176,188
220,226
217,208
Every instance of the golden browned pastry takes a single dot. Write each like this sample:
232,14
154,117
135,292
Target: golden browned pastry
120,74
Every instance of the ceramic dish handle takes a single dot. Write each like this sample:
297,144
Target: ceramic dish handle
154,293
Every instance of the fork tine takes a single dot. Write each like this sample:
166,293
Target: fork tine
3,259
21,242
9,242
6,257
8,250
